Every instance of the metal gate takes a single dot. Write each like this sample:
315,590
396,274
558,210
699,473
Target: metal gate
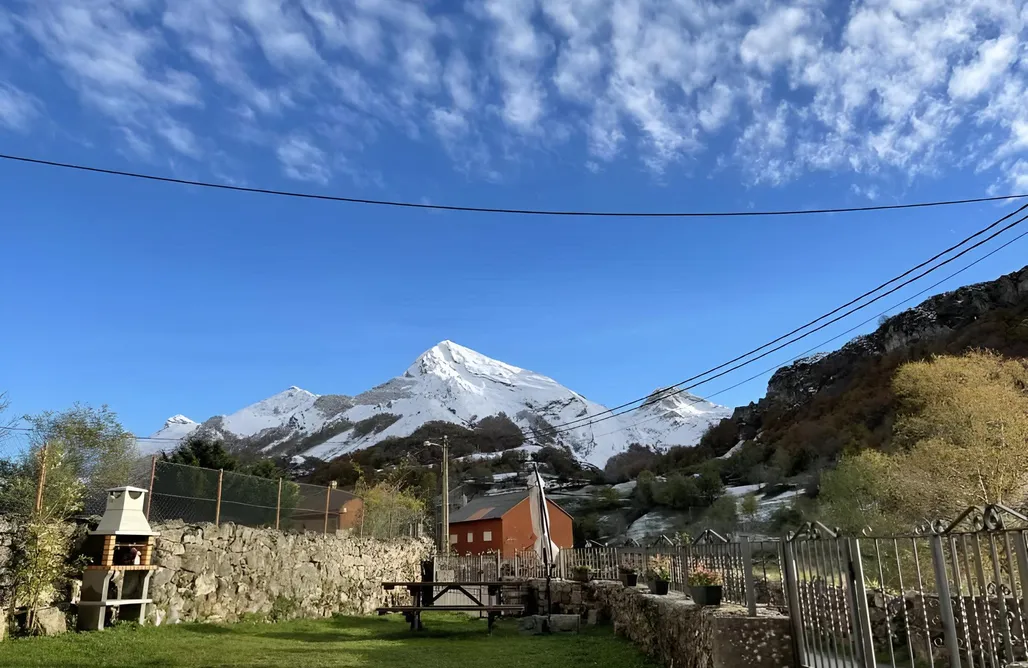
950,595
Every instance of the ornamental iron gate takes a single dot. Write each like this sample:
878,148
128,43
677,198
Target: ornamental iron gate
949,595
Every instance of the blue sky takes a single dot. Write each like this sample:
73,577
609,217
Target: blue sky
161,299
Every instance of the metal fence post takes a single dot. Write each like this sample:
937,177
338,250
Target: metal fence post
949,624
747,576
41,481
792,591
860,615
328,499
153,474
278,504
217,504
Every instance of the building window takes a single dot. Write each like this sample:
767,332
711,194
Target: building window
471,537
453,539
487,536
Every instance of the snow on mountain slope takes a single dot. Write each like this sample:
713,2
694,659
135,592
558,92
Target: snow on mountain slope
675,419
174,430
272,412
456,384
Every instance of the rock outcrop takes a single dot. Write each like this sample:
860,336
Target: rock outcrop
933,319
992,315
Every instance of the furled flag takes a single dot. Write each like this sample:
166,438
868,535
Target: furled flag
544,546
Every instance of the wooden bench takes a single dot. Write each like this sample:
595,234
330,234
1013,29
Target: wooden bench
425,597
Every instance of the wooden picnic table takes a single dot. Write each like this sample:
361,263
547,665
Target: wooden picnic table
425,595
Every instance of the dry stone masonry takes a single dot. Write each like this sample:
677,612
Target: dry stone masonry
231,572
672,629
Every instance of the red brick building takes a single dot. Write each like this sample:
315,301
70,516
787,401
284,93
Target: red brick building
503,522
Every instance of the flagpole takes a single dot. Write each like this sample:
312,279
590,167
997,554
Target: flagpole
544,521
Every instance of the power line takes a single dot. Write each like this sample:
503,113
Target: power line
723,390
777,366
837,336
802,336
660,394
524,212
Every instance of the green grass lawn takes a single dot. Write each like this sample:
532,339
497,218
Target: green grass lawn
448,641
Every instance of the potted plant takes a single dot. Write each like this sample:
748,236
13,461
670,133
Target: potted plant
629,575
581,574
705,586
659,572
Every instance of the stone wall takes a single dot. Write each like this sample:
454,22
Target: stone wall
672,629
226,572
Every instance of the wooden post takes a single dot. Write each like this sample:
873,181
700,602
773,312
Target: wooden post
217,505
42,478
278,504
149,495
328,499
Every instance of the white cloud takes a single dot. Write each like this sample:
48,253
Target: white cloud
179,137
112,63
282,35
302,160
772,91
781,38
994,57
17,108
518,52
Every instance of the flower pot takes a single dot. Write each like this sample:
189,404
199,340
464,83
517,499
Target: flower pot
659,587
709,595
630,579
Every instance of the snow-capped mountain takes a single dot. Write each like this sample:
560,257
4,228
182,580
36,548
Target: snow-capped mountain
450,383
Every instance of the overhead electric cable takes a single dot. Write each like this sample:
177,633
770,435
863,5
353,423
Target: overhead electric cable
664,394
485,209
654,395
834,338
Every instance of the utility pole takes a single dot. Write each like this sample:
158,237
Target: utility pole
444,499
446,495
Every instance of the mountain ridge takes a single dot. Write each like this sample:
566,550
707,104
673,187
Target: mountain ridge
449,383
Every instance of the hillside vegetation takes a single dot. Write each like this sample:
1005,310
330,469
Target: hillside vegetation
816,410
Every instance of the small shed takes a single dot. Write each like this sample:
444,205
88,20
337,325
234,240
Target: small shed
503,522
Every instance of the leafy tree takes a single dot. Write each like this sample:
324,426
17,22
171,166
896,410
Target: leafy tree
628,465
560,460
681,492
786,518
264,468
389,508
961,439
94,447
644,489
723,514
74,451
202,451
749,506
710,485
606,499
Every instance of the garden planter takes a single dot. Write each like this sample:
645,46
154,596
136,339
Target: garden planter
630,579
659,587
710,595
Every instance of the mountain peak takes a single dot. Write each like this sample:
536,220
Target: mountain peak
451,383
178,419
448,359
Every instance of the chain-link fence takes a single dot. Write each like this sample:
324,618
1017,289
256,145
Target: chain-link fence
198,495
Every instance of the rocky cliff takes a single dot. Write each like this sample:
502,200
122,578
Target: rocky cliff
937,318
821,404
